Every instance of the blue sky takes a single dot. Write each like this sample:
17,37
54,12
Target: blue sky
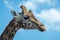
46,11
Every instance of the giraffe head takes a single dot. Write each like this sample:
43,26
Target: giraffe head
28,19
29,13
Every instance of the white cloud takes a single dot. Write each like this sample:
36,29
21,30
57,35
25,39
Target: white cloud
53,15
29,4
35,4
51,18
42,1
8,4
45,1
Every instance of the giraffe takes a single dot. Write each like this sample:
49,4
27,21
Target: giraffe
21,20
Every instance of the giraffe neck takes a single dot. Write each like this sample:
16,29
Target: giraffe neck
10,31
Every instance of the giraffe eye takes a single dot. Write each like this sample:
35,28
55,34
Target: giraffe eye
26,18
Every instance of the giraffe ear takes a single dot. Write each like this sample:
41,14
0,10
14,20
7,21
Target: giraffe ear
14,13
